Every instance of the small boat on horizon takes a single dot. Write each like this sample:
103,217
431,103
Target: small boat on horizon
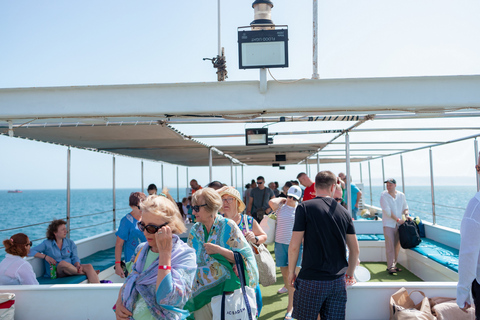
15,191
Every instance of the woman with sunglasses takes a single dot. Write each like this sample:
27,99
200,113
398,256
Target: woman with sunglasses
214,239
128,235
285,209
161,276
58,250
14,269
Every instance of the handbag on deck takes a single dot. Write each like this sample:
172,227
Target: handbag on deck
402,307
241,304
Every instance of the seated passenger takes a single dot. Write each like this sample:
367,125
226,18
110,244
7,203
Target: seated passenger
161,279
14,269
128,235
58,250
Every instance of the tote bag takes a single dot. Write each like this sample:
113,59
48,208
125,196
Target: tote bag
266,266
241,305
269,225
402,307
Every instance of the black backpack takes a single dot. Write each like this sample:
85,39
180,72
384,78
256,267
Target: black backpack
408,233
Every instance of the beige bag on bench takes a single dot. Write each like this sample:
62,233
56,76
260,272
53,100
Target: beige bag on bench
403,308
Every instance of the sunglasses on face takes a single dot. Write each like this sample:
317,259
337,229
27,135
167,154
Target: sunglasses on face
259,182
152,229
338,199
197,208
228,200
290,197
29,244
138,207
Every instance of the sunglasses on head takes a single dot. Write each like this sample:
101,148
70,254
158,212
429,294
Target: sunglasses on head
152,229
197,208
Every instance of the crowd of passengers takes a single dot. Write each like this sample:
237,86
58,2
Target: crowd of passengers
166,278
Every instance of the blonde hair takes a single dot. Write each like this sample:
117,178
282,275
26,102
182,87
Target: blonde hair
211,198
165,208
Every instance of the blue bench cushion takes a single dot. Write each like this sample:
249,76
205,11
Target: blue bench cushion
443,254
100,260
370,237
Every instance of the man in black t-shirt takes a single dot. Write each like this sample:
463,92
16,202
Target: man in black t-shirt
326,229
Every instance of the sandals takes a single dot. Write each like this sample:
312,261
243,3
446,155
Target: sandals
288,316
393,270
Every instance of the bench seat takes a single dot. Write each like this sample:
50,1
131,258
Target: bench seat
100,260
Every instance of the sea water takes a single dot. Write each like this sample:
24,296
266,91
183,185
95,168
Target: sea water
91,210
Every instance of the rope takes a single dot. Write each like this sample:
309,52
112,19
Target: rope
284,82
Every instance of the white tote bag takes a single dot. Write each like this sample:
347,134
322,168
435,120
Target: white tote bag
269,225
241,305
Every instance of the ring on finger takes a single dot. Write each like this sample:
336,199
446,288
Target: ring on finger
160,232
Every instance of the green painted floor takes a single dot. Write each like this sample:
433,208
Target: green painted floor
275,305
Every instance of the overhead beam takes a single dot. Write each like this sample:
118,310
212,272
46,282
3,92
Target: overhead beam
433,95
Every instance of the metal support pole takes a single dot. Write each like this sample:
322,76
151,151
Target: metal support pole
186,188
476,162
243,184
370,183
318,163
263,80
162,177
403,175
383,174
142,178
432,185
219,29
236,177
69,162
315,40
349,190
361,175
210,165
231,172
114,196
178,187
306,167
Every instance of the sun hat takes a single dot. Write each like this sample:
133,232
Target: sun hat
295,192
234,193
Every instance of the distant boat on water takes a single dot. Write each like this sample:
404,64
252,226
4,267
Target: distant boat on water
14,191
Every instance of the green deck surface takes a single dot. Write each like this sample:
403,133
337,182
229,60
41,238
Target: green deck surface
275,305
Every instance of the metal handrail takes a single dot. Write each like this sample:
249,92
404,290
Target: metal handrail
30,225
437,204
97,213
93,225
438,215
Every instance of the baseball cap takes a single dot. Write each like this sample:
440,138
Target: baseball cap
295,192
391,180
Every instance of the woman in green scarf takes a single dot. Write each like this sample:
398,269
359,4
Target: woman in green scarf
214,239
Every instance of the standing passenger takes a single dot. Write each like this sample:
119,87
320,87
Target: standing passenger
326,228
128,235
152,189
259,197
195,186
469,258
394,206
356,194
309,185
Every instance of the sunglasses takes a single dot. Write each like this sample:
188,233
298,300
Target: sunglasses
29,244
228,200
338,199
259,182
197,208
152,229
290,197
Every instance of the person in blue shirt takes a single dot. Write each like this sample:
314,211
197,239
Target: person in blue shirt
128,235
356,194
58,250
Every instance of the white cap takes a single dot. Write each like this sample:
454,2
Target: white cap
295,192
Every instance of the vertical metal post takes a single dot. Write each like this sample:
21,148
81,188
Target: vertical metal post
114,196
476,162
162,177
210,165
318,163
186,188
361,175
306,167
370,183
383,174
403,175
236,177
243,184
178,187
69,162
315,41
219,29
231,172
142,178
263,80
348,186
432,185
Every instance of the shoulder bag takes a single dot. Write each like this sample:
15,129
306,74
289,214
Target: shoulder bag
266,266
402,307
241,304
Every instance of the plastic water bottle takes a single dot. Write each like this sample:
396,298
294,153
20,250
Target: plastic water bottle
53,271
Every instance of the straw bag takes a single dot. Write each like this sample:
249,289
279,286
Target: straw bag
241,304
403,308
266,266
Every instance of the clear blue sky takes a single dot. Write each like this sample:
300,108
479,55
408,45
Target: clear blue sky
70,43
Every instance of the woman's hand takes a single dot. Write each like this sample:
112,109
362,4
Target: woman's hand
163,239
121,312
211,248
50,260
119,270
250,236
79,267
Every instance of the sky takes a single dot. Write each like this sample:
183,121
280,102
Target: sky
78,43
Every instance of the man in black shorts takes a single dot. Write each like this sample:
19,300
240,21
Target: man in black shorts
326,229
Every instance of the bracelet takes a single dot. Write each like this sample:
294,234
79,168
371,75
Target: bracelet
164,268
118,261
398,219
348,277
44,256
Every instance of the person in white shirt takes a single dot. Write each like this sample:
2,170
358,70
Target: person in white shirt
469,257
394,206
14,270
